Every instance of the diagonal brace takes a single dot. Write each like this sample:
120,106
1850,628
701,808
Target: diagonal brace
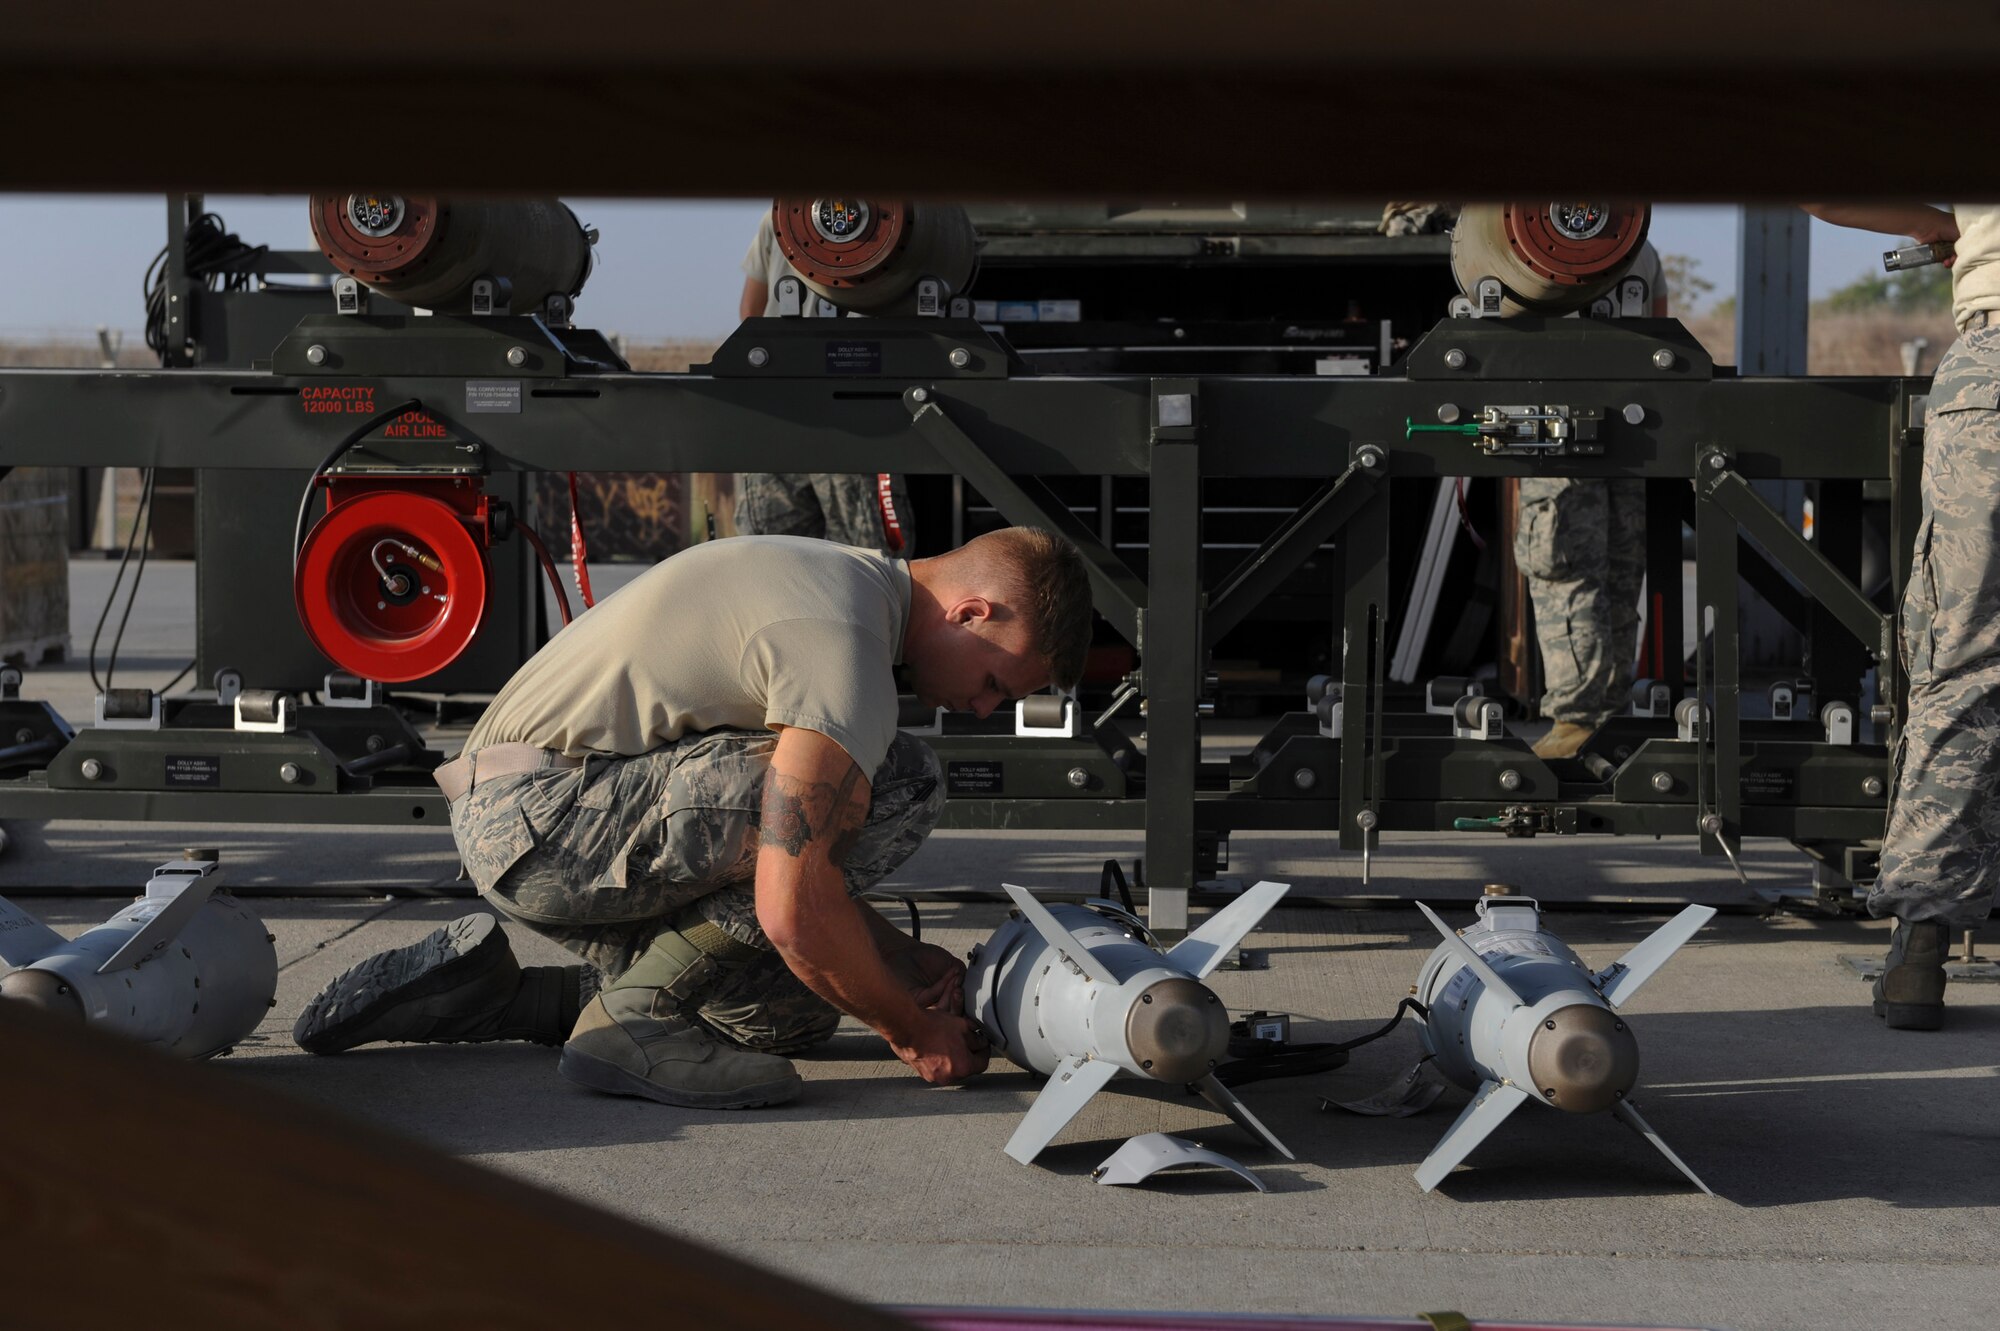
1026,501
1289,546
1799,557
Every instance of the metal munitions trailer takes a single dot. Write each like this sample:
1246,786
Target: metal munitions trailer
1474,398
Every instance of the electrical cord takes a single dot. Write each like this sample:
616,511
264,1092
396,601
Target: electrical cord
1273,1060
212,256
353,437
141,517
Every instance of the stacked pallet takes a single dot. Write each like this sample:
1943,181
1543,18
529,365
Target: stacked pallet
34,565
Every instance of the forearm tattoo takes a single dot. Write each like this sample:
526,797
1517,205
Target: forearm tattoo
828,814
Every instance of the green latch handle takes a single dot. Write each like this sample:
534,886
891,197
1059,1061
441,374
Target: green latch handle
1410,428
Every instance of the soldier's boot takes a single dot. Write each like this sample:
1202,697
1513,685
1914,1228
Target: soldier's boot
640,1036
1909,993
459,984
1564,740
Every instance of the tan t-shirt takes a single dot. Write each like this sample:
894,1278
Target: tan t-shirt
755,632
1975,277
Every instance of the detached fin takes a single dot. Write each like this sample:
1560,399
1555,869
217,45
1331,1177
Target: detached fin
1488,1110
1203,950
1067,1092
1623,977
24,939
1225,1099
1051,930
1471,959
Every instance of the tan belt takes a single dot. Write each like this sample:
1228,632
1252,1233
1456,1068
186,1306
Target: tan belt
469,769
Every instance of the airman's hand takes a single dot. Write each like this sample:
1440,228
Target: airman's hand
944,1049
934,977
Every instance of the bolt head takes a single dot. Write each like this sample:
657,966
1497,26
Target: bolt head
1305,778
1077,777
758,358
316,354
1366,820
1716,462
1510,780
23,735
1448,414
1634,414
1455,359
1662,782
1663,359
517,356
959,358
92,769
1711,823
1871,786
289,774
919,395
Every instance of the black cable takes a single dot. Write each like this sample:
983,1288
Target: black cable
132,592
212,255
354,437
176,679
1300,1060
145,503
1113,876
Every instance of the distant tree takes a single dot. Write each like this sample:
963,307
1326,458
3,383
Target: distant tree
1913,291
1685,284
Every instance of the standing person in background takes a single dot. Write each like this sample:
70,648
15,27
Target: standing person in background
1581,544
871,511
1941,852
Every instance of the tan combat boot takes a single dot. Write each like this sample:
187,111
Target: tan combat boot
1909,993
1564,740
639,1036
635,1042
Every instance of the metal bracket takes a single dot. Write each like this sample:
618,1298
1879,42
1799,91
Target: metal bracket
341,690
1652,697
1838,718
265,711
1029,718
1474,717
791,298
128,709
349,296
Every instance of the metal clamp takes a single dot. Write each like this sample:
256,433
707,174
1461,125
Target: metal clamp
1652,697
1051,716
267,711
1442,695
1838,718
1691,718
343,690
1474,717
128,709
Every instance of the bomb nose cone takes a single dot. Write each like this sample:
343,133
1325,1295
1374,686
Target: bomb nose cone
1583,1058
45,990
1177,1031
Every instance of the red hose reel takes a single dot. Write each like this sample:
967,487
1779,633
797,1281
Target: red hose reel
391,583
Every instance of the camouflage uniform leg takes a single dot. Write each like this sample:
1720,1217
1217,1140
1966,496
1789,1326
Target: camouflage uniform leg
604,858
1941,854
778,503
853,511
1578,577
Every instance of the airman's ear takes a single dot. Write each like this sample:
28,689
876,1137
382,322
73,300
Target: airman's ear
968,610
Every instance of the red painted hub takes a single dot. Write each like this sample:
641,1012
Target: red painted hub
378,238
1574,243
840,242
391,585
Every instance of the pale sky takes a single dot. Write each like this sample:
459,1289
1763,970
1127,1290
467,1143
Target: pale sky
665,269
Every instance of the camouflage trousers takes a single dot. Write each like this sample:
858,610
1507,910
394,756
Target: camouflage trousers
605,857
1582,546
829,505
1941,854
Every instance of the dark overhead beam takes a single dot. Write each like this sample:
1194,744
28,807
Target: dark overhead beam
1110,98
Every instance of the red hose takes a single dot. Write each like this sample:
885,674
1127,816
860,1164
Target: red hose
577,553
548,568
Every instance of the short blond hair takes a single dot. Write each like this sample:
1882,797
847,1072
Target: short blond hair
1048,585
